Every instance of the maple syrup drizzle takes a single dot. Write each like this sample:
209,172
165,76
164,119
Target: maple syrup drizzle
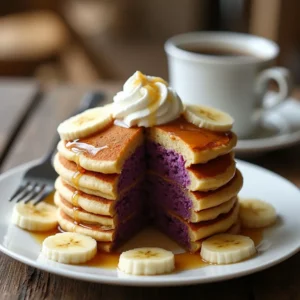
75,197
78,148
76,158
76,214
76,177
197,138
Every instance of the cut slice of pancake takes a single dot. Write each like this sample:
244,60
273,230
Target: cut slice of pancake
88,202
213,212
199,177
204,200
184,203
213,174
100,233
196,145
222,223
117,144
129,201
184,233
104,184
108,186
81,216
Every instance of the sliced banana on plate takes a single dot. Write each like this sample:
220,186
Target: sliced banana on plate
255,213
208,118
146,261
227,248
69,248
40,217
85,124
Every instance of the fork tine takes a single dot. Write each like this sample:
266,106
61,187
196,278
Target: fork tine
19,190
42,196
27,192
37,192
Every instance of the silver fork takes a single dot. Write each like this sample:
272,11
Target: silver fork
38,181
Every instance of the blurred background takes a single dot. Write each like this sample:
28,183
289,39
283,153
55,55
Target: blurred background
84,41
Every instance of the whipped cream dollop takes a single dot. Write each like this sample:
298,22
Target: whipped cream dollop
146,101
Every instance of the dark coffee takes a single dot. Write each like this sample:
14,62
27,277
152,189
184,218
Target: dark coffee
216,51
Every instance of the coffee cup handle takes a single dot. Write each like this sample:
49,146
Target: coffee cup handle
282,76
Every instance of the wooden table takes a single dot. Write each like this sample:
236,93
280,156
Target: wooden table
28,121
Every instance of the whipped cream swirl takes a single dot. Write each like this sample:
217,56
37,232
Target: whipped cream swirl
146,101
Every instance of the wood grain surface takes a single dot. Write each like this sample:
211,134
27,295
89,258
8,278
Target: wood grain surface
17,98
18,281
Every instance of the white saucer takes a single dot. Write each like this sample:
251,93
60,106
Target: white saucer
280,241
279,129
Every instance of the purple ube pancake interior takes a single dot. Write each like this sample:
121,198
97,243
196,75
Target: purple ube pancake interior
172,227
129,228
133,168
168,163
169,195
131,202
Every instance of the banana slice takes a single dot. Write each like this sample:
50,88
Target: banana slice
85,124
146,261
40,217
69,248
255,213
208,117
227,248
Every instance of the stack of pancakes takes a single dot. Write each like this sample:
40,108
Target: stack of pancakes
182,176
99,191
192,180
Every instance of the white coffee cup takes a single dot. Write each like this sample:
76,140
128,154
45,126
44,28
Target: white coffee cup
236,84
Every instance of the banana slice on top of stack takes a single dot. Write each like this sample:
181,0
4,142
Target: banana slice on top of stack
86,123
208,118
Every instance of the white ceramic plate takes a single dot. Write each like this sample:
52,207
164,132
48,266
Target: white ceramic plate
280,128
280,242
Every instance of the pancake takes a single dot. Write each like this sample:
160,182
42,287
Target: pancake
196,145
81,216
108,186
186,233
88,202
184,203
213,212
213,174
120,144
101,233
204,200
128,202
199,177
